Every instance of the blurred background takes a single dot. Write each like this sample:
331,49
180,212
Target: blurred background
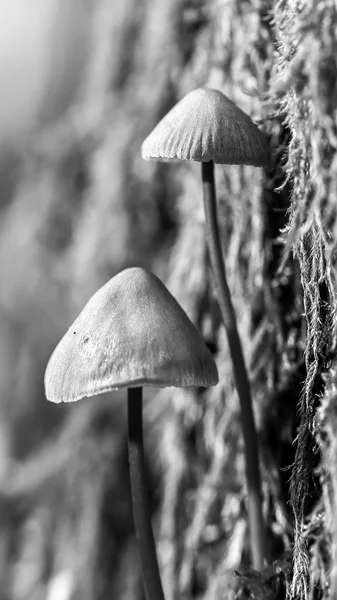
82,83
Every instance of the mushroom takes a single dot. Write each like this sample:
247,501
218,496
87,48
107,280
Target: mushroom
207,127
132,333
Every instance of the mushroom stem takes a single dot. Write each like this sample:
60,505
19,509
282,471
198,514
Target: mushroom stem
140,497
255,518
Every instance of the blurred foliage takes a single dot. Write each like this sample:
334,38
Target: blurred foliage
77,205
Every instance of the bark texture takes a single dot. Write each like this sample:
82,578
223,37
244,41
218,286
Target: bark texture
77,205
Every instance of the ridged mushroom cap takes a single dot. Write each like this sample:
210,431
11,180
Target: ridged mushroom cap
205,125
131,333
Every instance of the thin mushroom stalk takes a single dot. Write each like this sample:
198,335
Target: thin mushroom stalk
255,518
140,499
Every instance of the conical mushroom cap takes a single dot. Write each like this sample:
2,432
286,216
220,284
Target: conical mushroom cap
131,333
205,125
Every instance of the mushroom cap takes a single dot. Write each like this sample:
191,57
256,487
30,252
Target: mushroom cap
131,333
205,125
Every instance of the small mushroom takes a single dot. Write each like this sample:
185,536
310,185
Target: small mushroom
132,333
207,127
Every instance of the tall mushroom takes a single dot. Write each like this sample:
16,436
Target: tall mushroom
132,333
207,127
